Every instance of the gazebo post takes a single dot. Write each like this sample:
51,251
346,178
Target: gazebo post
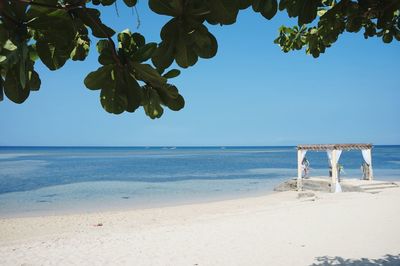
334,171
370,174
299,170
334,152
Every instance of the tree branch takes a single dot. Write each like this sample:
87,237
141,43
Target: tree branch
9,18
67,8
114,52
58,6
137,17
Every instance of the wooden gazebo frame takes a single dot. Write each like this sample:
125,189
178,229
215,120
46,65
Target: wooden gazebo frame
333,148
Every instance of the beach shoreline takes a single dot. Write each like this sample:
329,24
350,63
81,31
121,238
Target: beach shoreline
275,229
66,208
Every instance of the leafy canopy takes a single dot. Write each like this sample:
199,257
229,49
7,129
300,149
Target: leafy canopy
135,73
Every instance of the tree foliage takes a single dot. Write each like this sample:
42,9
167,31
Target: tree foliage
133,72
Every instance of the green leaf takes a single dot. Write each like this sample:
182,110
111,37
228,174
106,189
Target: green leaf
1,89
206,45
166,7
33,56
222,11
81,49
164,55
194,13
133,93
170,97
79,53
138,39
176,104
151,103
22,73
106,58
52,56
145,52
100,78
10,46
387,38
113,101
107,2
34,81
125,39
102,45
267,8
397,35
130,3
3,34
91,18
55,27
49,19
170,31
9,58
55,33
105,52
354,24
13,89
172,74
35,11
113,96
308,11
148,74
23,52
185,56
243,4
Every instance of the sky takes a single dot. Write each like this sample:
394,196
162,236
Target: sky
249,94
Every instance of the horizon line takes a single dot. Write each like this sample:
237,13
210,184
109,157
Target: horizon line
156,146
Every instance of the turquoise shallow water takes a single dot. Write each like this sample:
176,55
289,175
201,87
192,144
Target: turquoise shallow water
43,180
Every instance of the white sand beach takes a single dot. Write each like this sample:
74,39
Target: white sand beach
280,229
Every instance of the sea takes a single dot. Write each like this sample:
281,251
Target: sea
38,181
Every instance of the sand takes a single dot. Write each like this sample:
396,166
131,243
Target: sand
277,229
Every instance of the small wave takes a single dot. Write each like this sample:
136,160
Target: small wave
4,156
20,167
261,171
49,195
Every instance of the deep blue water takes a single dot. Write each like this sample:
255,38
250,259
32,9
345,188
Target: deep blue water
46,179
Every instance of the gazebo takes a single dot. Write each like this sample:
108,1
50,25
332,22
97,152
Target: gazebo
333,151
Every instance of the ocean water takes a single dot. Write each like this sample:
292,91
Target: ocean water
54,180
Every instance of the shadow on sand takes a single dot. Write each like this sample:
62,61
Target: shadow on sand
387,260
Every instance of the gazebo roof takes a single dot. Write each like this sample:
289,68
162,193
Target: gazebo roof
324,147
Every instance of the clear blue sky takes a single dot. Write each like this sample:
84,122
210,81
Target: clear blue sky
251,93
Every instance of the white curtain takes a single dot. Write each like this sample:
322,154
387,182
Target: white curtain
302,156
338,153
366,156
329,153
338,187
